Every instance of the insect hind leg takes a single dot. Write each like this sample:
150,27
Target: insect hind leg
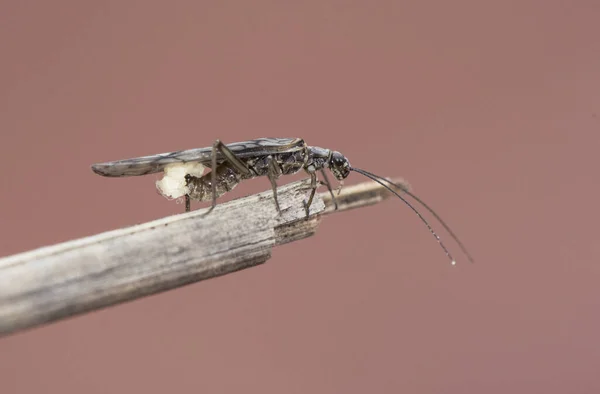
230,158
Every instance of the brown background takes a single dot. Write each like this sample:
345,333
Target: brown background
490,109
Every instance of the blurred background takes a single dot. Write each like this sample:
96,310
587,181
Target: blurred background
491,110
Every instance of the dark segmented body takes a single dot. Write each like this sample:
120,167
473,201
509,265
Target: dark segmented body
290,155
227,177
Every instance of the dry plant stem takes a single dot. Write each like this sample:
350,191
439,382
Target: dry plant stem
55,282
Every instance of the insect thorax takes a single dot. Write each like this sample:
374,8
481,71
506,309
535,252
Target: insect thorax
318,158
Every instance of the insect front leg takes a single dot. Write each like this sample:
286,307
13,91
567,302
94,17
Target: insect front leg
273,173
328,184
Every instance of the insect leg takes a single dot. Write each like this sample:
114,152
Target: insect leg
273,174
232,159
213,177
313,185
335,204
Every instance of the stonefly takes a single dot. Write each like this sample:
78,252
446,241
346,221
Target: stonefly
232,163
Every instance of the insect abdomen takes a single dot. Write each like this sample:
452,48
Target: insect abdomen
227,178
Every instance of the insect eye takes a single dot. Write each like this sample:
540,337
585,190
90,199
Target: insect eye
338,159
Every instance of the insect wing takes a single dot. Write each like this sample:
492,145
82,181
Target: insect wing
150,164
156,163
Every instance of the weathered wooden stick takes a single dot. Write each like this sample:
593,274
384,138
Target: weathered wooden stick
55,282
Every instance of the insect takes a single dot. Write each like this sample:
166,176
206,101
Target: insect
272,157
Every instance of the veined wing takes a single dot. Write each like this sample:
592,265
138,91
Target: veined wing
156,163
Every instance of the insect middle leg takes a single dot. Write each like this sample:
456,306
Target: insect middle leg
273,173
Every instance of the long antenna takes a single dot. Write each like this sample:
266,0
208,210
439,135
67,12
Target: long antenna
439,219
377,179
